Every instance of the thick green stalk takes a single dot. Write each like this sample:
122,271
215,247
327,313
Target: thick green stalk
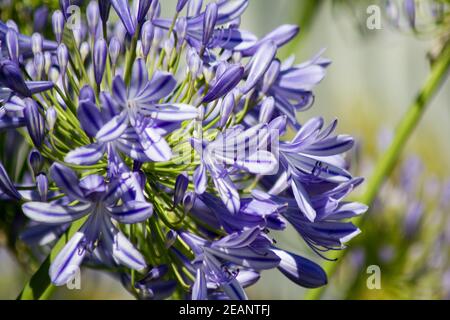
390,158
39,287
131,57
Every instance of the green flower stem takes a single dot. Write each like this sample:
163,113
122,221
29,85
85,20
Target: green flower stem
39,287
390,158
79,60
131,57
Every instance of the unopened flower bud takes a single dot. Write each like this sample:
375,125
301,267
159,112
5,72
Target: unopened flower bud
35,161
84,50
36,43
50,117
209,23
93,17
114,50
148,31
42,186
100,54
12,44
63,57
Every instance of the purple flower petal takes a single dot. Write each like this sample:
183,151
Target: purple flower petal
308,132
247,257
39,86
280,36
302,271
234,290
199,289
10,123
194,7
181,185
67,262
35,122
170,112
66,180
301,78
233,39
131,212
148,32
322,168
155,147
266,110
161,85
55,214
181,4
228,193
92,16
225,83
347,210
200,179
12,44
143,7
110,108
303,200
139,78
120,91
122,9
11,77
122,249
88,155
226,108
113,129
89,117
238,239
104,7
6,184
58,25
331,146
259,64
129,143
100,55
209,22
228,11
260,162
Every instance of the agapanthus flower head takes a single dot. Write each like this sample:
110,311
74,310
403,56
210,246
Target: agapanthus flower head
163,140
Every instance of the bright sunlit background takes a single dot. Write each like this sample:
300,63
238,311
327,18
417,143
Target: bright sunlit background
374,78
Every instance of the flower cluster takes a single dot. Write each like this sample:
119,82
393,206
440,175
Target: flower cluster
167,141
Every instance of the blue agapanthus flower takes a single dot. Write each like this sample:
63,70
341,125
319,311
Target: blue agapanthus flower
167,141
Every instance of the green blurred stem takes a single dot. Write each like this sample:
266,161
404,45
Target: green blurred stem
131,56
389,159
39,287
407,126
307,12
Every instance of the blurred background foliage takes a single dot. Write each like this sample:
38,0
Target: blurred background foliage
374,77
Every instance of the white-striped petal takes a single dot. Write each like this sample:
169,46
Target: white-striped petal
170,112
88,155
121,248
67,262
303,201
66,180
131,212
113,129
55,214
